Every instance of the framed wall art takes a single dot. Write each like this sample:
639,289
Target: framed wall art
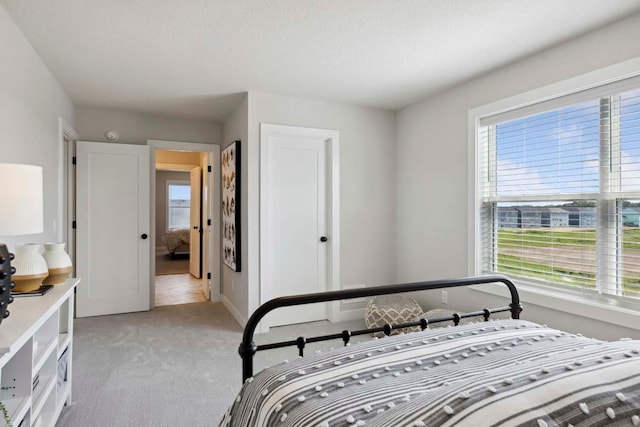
231,206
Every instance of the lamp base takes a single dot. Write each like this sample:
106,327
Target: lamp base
57,276
5,280
29,282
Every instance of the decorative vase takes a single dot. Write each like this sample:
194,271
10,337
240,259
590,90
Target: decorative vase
58,263
31,268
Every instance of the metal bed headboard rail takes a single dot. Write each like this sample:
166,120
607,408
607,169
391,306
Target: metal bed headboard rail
248,348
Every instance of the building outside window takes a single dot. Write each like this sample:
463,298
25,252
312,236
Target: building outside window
559,193
178,205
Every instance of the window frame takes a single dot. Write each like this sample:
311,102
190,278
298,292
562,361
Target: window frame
592,306
169,183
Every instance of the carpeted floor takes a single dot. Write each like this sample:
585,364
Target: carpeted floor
176,365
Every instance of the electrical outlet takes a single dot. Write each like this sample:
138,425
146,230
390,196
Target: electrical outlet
444,297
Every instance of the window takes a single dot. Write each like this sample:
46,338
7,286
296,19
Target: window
178,205
559,193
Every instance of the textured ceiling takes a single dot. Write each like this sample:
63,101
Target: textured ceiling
191,58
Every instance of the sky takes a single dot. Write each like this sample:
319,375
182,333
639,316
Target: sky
528,150
179,192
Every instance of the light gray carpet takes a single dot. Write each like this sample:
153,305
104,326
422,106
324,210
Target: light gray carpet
174,366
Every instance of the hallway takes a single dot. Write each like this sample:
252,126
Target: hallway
174,289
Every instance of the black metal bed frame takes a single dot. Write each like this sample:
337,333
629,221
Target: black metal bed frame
248,348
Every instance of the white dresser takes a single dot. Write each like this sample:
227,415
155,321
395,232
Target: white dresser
36,345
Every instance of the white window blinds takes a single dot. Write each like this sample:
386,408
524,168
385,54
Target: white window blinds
178,205
560,192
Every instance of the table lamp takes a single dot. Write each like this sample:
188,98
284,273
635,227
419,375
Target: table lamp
21,213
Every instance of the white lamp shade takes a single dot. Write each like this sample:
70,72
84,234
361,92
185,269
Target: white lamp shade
22,207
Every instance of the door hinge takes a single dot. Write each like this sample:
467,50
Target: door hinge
73,224
208,276
73,160
209,168
209,221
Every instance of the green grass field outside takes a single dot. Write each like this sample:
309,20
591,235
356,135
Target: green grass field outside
549,237
559,239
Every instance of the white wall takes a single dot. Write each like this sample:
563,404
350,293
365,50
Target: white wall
367,183
136,128
235,286
432,176
31,101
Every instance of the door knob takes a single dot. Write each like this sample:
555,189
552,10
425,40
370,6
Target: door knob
323,239
144,236
195,227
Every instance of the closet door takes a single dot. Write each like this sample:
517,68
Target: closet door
294,221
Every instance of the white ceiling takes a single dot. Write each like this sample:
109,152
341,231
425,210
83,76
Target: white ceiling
192,58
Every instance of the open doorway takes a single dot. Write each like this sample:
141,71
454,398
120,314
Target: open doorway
199,164
179,278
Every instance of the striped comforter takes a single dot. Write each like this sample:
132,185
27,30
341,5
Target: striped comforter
498,373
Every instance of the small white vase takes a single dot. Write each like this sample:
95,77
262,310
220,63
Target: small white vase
58,263
31,267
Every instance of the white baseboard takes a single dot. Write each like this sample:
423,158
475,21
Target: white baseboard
344,315
347,315
352,309
234,311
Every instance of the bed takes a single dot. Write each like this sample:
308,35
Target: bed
494,372
177,241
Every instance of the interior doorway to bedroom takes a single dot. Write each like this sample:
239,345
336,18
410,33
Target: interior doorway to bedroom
185,215
179,244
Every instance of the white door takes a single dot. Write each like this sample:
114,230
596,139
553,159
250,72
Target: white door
294,256
206,160
196,218
113,226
